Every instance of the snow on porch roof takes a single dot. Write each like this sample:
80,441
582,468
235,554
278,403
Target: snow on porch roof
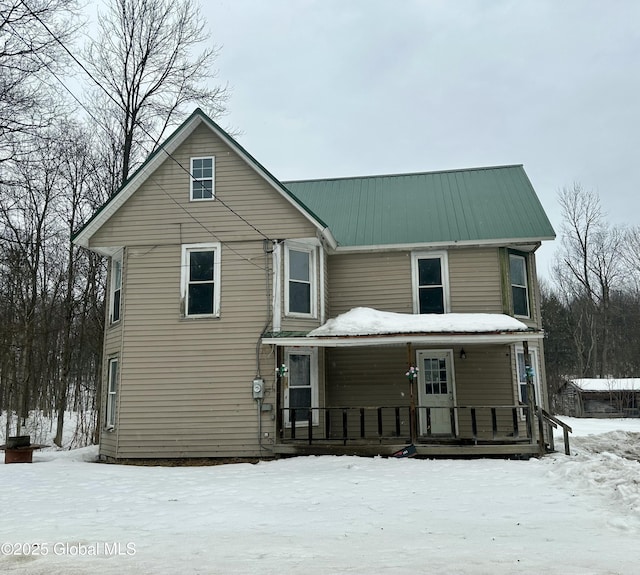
367,326
368,321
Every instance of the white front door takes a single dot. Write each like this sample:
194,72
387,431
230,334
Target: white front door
436,391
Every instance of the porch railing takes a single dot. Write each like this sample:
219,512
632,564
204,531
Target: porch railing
479,423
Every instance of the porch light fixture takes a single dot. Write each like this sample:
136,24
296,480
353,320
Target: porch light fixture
463,354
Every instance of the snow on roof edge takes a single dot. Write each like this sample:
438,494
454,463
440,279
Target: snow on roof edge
607,384
369,321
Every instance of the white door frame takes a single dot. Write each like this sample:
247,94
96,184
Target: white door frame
537,384
312,352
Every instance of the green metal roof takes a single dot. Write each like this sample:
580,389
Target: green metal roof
478,204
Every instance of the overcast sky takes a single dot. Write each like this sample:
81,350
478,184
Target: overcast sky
330,88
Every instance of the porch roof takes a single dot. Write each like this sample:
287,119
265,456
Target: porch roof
370,327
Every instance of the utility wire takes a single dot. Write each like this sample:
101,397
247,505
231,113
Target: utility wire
119,104
161,146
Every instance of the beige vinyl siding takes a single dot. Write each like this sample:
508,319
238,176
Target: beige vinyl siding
474,280
383,281
378,280
187,382
485,379
160,212
368,377
112,348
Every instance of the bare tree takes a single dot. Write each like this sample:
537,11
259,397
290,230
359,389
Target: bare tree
51,292
589,267
31,33
143,58
632,256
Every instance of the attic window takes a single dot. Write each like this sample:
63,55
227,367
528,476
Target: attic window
202,179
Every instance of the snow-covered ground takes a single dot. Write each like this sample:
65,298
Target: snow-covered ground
557,515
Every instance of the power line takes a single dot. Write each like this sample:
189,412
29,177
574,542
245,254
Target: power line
119,104
161,146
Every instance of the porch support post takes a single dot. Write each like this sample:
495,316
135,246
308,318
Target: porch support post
531,400
412,398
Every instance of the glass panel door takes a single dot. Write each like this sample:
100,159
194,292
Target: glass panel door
301,392
435,391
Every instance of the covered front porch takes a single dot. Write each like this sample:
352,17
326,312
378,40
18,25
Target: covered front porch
443,393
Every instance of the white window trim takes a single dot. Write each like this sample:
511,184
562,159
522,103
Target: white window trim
444,264
526,286
312,250
112,394
117,258
184,277
533,352
213,179
277,286
312,352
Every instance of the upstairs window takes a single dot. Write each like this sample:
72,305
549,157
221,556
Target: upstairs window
116,289
201,280
430,283
518,277
300,293
202,179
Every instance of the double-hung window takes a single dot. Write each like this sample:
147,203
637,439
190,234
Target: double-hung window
430,282
112,393
519,285
116,289
201,279
203,178
300,291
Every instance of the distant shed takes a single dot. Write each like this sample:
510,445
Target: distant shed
618,397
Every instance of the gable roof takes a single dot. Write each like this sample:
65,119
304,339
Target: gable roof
477,205
162,153
470,206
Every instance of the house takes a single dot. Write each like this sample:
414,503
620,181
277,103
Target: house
249,317
605,397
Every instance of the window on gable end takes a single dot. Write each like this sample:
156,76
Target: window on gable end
519,280
430,282
203,178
